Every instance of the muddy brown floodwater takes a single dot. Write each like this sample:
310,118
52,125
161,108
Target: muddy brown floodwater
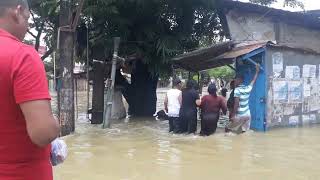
141,149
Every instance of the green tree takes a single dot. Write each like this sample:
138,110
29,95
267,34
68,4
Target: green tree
225,73
152,31
44,21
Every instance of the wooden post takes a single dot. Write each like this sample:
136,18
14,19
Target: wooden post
88,73
98,92
108,107
66,90
76,97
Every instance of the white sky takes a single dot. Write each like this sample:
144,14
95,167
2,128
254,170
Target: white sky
309,5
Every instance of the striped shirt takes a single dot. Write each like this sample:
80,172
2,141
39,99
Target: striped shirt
243,93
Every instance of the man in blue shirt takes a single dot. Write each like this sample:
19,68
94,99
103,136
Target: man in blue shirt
241,116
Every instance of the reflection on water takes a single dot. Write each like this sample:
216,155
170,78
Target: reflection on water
143,150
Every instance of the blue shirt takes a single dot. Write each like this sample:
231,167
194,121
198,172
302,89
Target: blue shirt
243,93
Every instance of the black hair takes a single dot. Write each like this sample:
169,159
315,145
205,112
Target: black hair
232,84
4,4
224,92
175,82
191,84
212,89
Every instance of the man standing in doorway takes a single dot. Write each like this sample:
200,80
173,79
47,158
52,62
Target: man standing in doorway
172,105
241,116
27,124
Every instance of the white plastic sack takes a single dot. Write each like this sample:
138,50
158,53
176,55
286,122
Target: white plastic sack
59,152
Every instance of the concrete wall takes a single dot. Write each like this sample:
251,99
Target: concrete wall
249,27
284,107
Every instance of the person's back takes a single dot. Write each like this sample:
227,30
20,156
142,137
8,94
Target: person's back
240,115
188,112
243,93
212,104
189,97
173,102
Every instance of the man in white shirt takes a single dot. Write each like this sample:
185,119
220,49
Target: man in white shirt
172,104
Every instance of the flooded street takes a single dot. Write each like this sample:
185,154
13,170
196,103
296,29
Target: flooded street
143,150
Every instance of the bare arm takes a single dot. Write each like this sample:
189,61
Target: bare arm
166,103
224,106
198,102
180,99
256,75
198,99
41,126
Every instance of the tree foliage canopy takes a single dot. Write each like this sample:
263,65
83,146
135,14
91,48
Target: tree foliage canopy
153,30
224,73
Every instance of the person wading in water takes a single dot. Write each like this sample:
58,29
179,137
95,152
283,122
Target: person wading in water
211,105
241,116
188,112
27,124
172,104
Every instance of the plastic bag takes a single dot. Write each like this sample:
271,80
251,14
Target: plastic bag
59,152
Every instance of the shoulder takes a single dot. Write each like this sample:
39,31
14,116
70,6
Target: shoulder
205,97
10,48
221,98
25,52
28,50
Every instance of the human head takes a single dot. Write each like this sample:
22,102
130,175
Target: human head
176,83
224,92
212,89
14,16
232,84
239,80
191,84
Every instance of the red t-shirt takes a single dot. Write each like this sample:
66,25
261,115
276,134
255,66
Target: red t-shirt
22,79
213,104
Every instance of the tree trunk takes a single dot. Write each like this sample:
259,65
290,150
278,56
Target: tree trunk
141,93
98,93
66,90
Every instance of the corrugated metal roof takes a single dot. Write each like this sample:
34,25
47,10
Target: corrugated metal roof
201,59
241,50
215,56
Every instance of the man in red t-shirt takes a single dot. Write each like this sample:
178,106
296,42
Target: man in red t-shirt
27,125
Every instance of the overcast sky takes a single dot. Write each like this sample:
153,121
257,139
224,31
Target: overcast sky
309,5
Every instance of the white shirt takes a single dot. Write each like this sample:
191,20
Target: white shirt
173,102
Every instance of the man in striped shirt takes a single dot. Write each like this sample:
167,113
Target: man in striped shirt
241,116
